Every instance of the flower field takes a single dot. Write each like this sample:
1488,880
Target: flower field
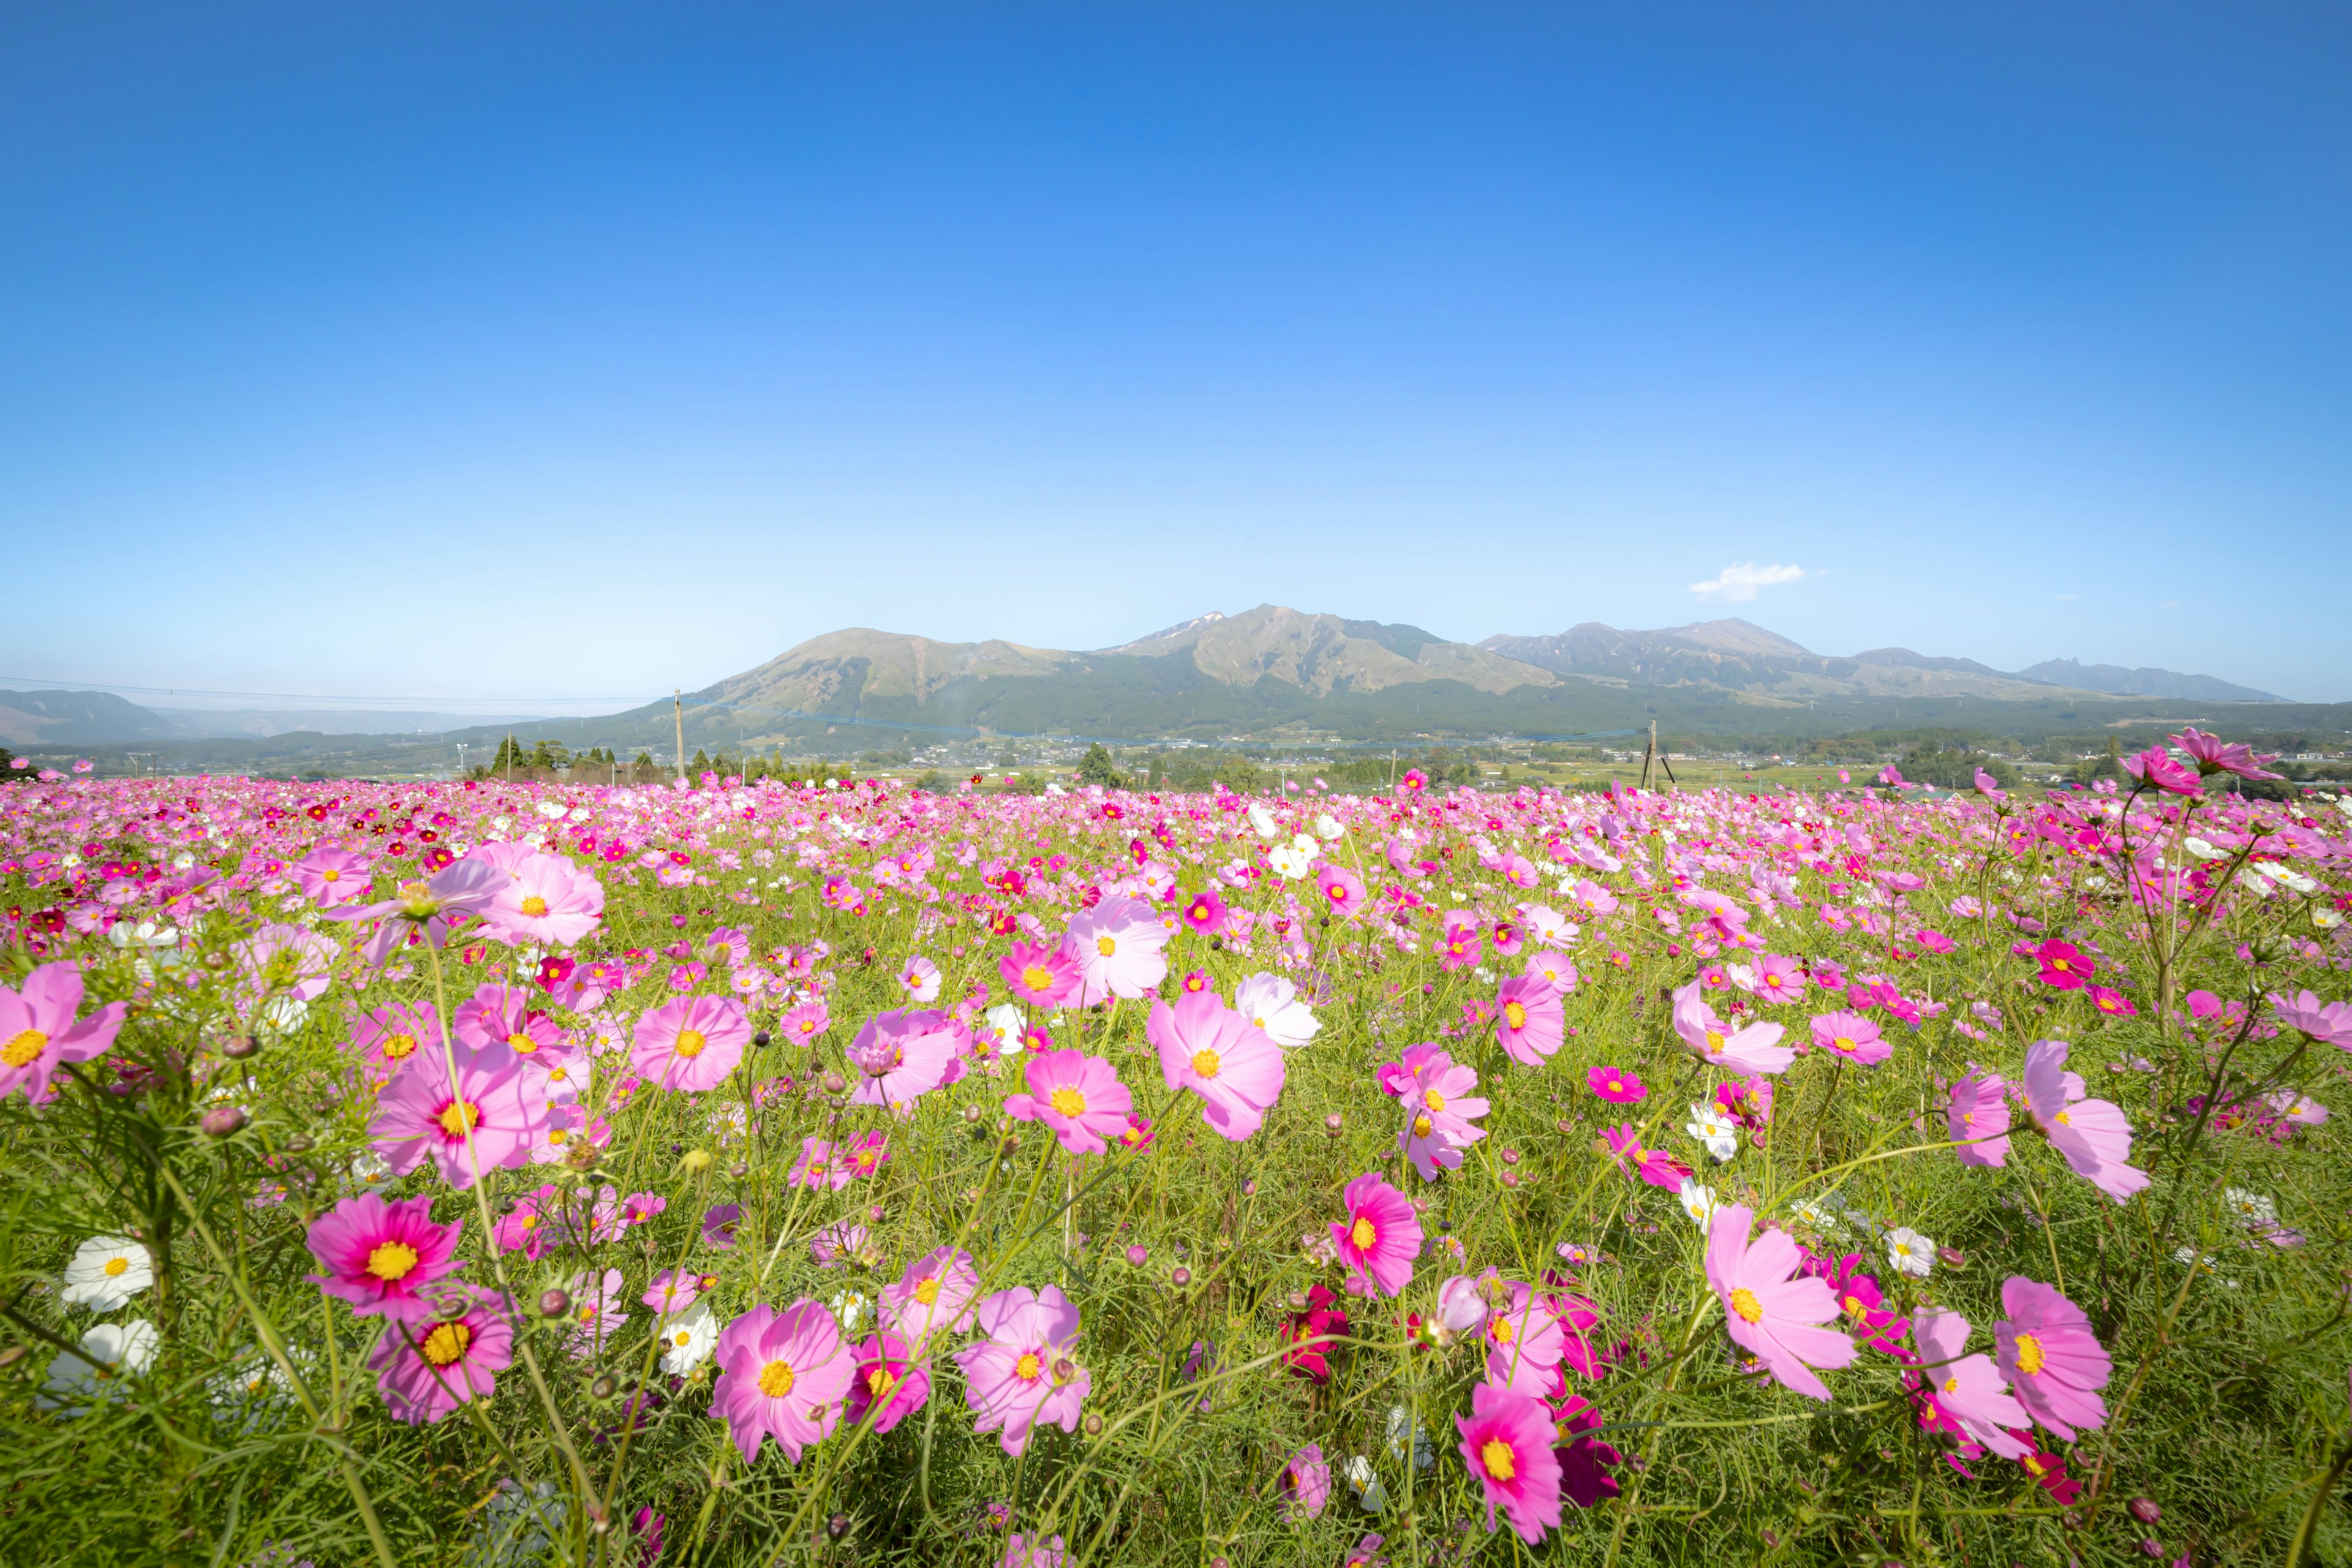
486,1173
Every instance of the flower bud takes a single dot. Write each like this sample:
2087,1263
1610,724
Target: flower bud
696,1161
236,1047
1332,1125
1094,1424
1179,1276
553,1303
603,1388
834,1083
2144,1510
738,1170
221,1121
1137,1255
762,1037
297,1144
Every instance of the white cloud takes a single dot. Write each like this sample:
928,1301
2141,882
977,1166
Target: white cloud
1739,585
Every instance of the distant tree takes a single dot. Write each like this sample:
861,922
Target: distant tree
701,765
644,760
1095,768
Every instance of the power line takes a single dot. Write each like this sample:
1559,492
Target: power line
59,683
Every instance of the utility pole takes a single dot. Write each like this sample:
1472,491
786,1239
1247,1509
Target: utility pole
678,706
510,755
1649,754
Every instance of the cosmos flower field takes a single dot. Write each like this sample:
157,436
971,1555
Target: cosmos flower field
493,1173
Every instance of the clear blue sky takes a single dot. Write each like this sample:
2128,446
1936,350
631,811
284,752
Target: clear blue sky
413,349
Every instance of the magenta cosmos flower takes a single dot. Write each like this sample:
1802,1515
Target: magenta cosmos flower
1769,1314
332,876
1978,1120
1966,1387
1204,912
1024,1371
886,1378
424,1114
1232,1064
933,1297
1528,1020
1652,1166
1850,1037
901,1057
378,1256
392,1035
1342,891
1306,1485
547,901
691,1043
2064,965
2155,766
1507,1443
1117,948
2055,1363
38,1031
447,1352
1040,975
426,908
1078,1097
781,1376
1439,1109
2092,1134
1754,1049
2213,755
1380,1236
1615,1085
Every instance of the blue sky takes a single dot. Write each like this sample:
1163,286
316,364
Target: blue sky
415,352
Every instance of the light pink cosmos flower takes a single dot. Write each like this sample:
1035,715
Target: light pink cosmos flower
803,1022
38,1031
282,960
421,1114
2327,1022
691,1043
395,1034
903,1056
1024,1370
502,1015
1078,1097
1553,968
2053,1362
1778,978
1978,1120
448,1352
1528,1020
546,902
378,1256
1305,1486
1768,1313
1380,1236
933,1297
332,876
1507,1444
1117,947
426,908
1754,1049
2090,1134
1342,891
673,1291
918,977
596,1311
821,1166
1040,975
1850,1038
1439,1109
781,1376
1232,1064
1966,1387
1025,1551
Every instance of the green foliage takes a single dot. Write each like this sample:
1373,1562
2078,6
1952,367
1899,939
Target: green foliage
1094,768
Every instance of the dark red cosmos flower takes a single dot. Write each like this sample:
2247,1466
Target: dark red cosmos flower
2049,1471
1322,1316
1583,1480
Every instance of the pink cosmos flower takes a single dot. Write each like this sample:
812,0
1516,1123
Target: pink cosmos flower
1654,1166
1850,1036
391,1036
1507,1444
1768,1313
1305,1486
885,1377
2090,1134
502,1015
1979,1110
1524,1342
39,1033
1553,968
2063,966
838,1242
1026,1552
1232,1064
546,902
2155,766
2213,755
691,1043
1204,912
1078,1097
673,1291
1778,978
1966,1388
901,1057
1989,787
428,908
596,1311
803,1022
445,1352
2110,1002
2053,1362
1754,1049
1342,891
1615,1085
1023,1371
1528,1020
918,977
1380,1236
1439,1110
719,1224
284,960
781,1376
933,1297
1040,975
818,1167
332,876
2327,1022
1117,947
378,1256
424,1114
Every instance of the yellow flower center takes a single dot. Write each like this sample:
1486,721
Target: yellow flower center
1363,1233
1422,1126
1504,1333
1025,1369
1206,1063
1500,1462
879,1383
522,1045
1067,1101
1951,1386
1036,976
1853,1307
1515,1014
1106,946
1616,1086
22,1047
690,1043
2064,1119
399,1048
680,1339
1744,1302
776,1379
446,1343
1433,1099
392,1260
927,1291
2029,1354
534,906
116,1267
1843,1042
458,1116
1714,1041
330,875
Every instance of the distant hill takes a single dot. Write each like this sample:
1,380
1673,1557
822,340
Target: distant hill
2116,680
35,719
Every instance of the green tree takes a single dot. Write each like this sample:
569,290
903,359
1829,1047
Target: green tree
1094,768
701,765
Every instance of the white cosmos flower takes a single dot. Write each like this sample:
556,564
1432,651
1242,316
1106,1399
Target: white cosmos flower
687,1339
1272,1003
1713,1130
1425,1452
1698,1202
851,1307
1365,1483
1290,864
1326,827
1002,1029
1262,821
106,1272
1910,1252
2253,1209
1306,844
2202,850
110,1352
